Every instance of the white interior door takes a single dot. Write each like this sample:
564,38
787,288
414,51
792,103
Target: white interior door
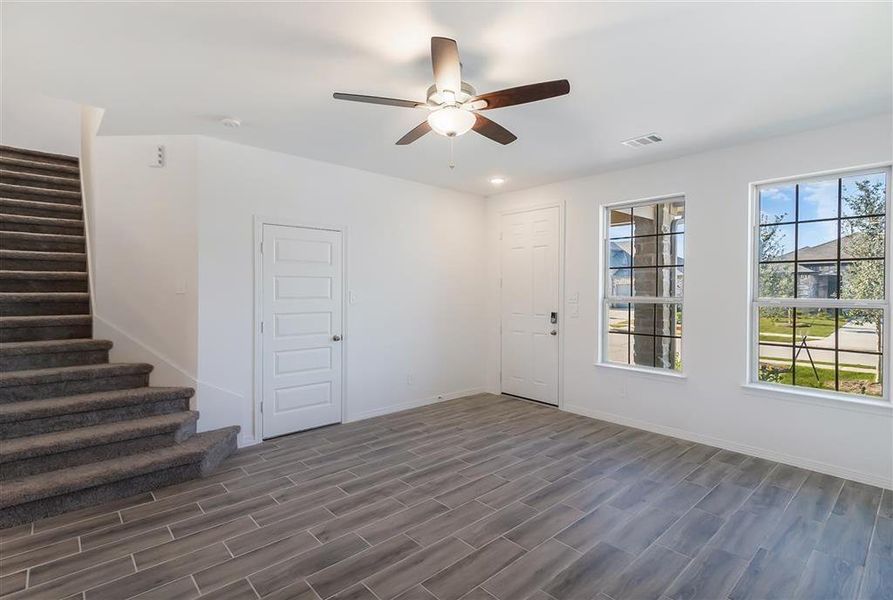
302,319
530,264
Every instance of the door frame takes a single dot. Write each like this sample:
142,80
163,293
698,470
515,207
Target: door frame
258,362
560,205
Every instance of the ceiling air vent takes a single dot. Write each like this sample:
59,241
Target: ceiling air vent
642,140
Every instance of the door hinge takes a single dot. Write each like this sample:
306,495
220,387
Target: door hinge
500,235
500,283
261,247
261,326
262,408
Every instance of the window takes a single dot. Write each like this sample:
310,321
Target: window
642,305
819,301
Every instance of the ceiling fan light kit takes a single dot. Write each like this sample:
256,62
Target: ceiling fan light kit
454,104
451,121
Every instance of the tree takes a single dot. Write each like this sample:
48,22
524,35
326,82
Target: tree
864,238
776,281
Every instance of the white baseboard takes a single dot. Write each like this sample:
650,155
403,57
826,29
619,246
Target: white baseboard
392,408
796,461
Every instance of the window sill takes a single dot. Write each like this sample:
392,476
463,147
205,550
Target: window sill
879,407
659,373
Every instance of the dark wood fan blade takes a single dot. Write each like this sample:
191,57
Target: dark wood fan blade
445,60
378,100
414,134
524,94
494,131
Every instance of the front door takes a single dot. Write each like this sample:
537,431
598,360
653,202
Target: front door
302,320
530,320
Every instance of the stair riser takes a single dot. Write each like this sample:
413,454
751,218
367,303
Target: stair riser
12,208
48,360
42,285
64,229
82,456
70,388
9,242
22,309
90,418
57,197
31,264
18,154
35,180
56,332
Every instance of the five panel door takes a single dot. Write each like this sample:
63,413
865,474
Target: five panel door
302,321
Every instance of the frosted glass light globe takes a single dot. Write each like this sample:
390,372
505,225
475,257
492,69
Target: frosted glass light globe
451,121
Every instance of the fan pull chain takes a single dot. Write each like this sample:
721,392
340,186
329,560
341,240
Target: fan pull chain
452,162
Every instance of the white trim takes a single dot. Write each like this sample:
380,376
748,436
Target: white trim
840,400
562,308
601,322
649,371
751,373
393,408
797,461
257,375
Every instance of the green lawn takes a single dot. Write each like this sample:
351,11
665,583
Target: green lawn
850,381
812,326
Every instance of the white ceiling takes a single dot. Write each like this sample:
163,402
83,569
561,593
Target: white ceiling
701,75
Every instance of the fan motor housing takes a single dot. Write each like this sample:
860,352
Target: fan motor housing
435,98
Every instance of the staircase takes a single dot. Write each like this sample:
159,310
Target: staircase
75,430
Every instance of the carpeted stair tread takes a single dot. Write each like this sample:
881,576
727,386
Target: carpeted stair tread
22,165
11,206
48,275
97,435
43,281
13,190
21,355
44,321
76,225
38,255
42,242
44,296
66,405
36,487
38,155
40,180
47,346
38,376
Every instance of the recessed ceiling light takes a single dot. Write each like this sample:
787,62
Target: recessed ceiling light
497,180
231,122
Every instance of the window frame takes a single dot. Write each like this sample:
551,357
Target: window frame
603,321
755,302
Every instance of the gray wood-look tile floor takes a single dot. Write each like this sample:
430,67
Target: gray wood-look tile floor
480,498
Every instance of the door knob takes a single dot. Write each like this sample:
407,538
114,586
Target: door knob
336,338
553,332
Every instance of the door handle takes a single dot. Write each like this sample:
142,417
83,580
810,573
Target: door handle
336,338
553,332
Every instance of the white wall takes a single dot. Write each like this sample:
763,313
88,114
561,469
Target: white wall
38,122
413,264
710,405
144,252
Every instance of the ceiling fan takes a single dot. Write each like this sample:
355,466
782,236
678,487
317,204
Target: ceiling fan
453,104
